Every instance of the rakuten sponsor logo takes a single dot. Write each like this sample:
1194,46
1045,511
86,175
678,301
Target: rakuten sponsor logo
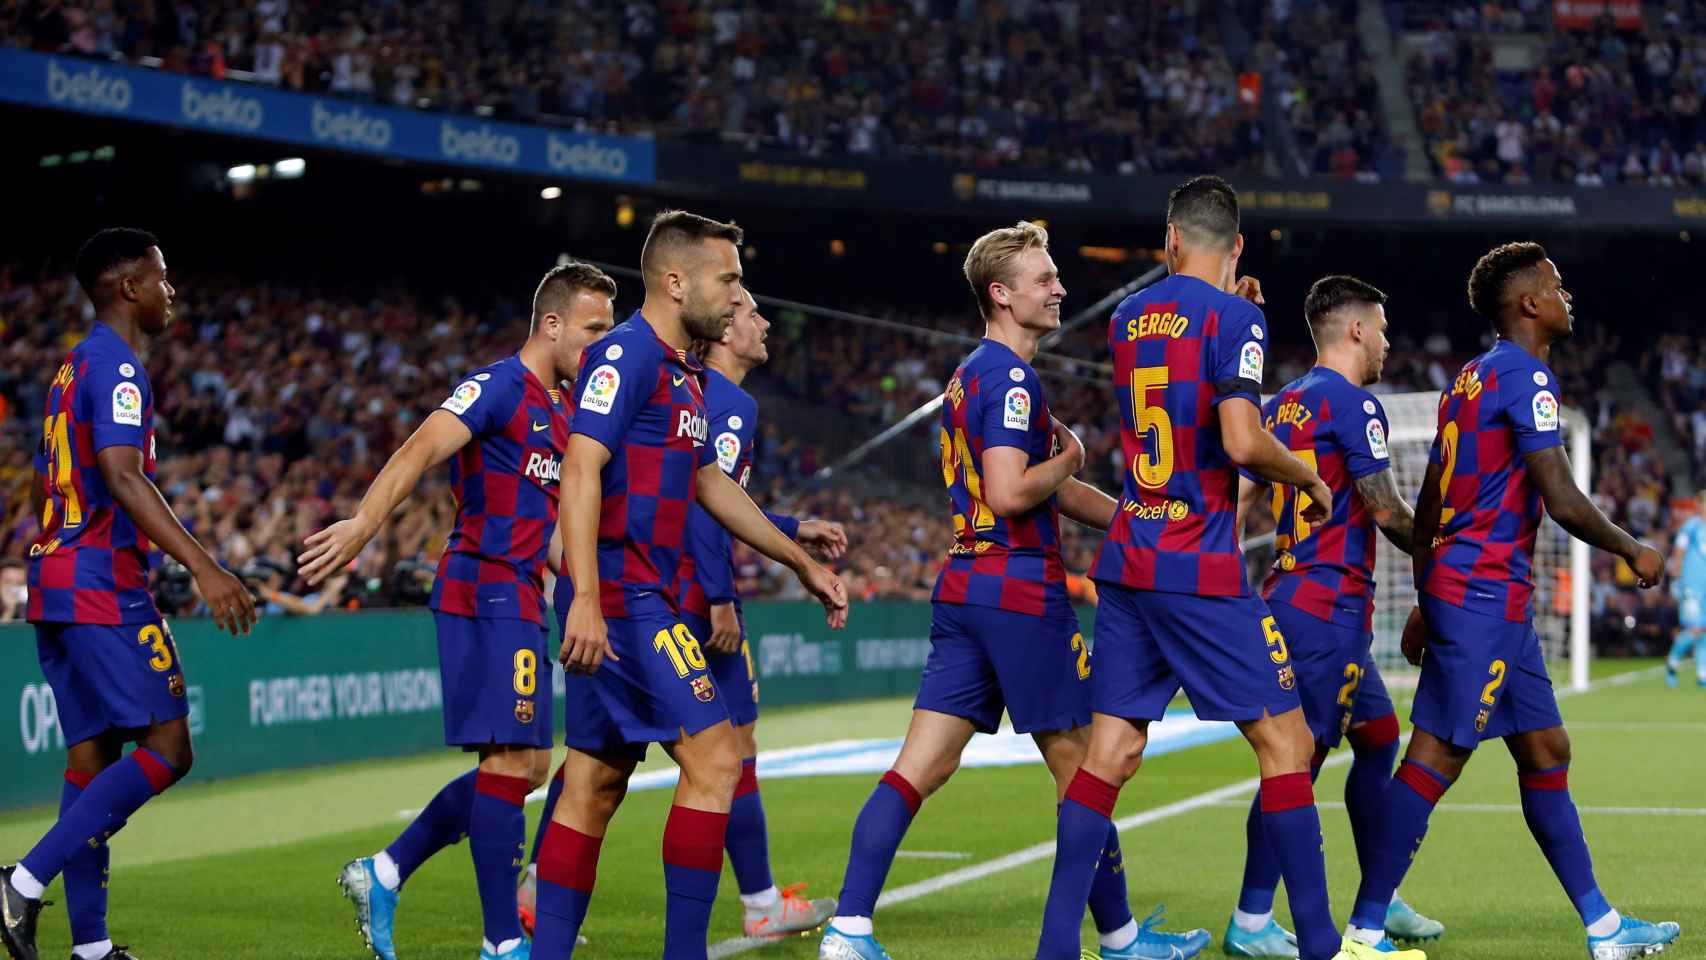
350,128
477,145
221,108
90,89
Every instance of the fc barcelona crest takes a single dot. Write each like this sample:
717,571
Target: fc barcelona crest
524,711
175,684
1287,677
703,690
1481,721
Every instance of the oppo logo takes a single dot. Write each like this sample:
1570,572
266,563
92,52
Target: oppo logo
38,720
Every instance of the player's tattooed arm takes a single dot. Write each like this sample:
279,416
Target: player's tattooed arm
1581,517
1391,512
1087,505
331,549
227,598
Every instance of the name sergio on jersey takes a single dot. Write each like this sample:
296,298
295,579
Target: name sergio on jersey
543,466
1171,325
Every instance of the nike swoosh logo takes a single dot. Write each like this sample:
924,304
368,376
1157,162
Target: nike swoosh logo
541,426
679,380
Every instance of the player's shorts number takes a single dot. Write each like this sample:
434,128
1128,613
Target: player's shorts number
1153,466
1489,693
683,651
1448,453
156,640
1276,640
1083,652
1353,679
957,462
1288,536
56,434
526,677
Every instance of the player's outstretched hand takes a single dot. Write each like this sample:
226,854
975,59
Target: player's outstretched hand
332,549
1415,639
1320,502
1250,289
725,629
229,601
826,537
1065,441
586,637
829,591
1649,567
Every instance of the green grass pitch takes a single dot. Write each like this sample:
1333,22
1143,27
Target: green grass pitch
246,868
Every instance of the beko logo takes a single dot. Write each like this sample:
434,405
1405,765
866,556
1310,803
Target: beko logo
350,128
479,145
223,108
586,159
87,88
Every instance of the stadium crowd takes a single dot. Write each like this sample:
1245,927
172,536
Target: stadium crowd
1593,107
1080,85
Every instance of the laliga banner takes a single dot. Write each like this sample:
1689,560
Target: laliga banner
249,110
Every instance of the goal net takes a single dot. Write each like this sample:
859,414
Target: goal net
1560,563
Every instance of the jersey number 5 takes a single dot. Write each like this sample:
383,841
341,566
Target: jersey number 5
1153,466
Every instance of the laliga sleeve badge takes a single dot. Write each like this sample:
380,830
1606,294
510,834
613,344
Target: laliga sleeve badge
601,386
728,451
127,404
463,397
1250,362
1377,440
703,691
1016,410
1545,411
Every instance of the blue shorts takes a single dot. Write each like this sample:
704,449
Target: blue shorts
660,688
1337,680
105,678
496,677
1482,677
983,660
733,673
1692,609
1226,652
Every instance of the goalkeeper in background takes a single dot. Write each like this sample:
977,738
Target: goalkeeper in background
1688,573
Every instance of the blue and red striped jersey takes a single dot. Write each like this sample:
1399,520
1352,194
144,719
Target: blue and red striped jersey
505,481
1180,348
642,399
1340,430
1503,405
90,563
1011,563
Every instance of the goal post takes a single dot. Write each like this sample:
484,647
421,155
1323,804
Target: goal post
1561,573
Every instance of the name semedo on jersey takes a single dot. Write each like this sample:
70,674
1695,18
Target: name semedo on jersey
1172,325
1468,384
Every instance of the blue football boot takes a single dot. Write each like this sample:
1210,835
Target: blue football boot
521,951
1272,940
375,906
836,945
1405,925
1634,938
1153,944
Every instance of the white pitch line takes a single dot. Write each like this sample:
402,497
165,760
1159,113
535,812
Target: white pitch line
1449,807
931,855
1032,854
